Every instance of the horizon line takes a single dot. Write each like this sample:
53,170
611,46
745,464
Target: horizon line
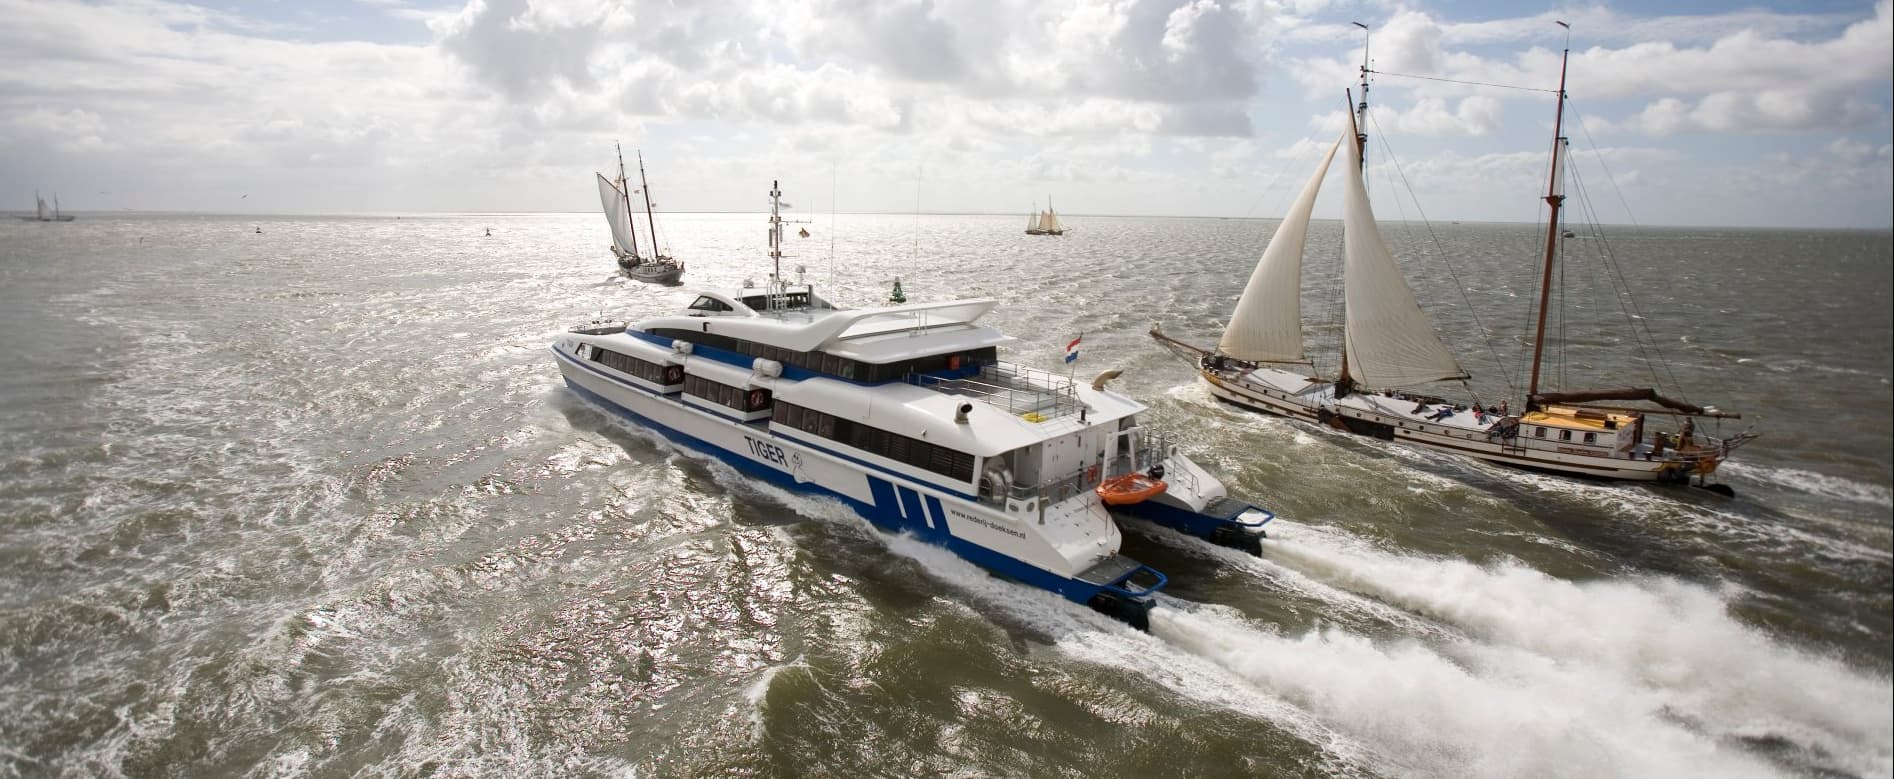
433,213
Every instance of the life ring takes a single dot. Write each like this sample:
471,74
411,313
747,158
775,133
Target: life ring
673,374
756,399
1091,474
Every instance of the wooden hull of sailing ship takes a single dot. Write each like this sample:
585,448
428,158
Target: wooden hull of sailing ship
655,271
1389,418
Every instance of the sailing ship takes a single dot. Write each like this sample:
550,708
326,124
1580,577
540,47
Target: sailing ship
615,196
1044,222
1390,349
41,214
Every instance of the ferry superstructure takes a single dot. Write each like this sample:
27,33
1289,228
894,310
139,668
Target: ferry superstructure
907,414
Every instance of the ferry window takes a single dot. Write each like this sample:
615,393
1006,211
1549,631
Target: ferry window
1565,435
1538,432
708,303
1591,438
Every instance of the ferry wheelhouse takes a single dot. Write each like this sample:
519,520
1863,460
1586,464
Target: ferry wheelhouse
907,414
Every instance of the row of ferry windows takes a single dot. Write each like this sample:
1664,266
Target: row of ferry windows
726,395
632,366
829,364
1565,435
894,446
660,373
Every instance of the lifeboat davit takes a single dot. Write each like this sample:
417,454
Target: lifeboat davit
1130,488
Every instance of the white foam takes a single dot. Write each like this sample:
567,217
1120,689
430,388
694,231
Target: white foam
1669,641
1489,714
1087,635
1813,483
758,693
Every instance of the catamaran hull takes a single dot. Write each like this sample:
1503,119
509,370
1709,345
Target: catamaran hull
1231,529
890,502
1321,408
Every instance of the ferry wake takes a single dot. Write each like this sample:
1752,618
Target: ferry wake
907,414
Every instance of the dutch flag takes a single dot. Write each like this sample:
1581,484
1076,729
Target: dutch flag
1072,349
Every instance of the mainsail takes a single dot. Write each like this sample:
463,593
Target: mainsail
1267,324
613,199
1390,343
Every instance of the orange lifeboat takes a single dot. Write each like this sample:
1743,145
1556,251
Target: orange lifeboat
1129,488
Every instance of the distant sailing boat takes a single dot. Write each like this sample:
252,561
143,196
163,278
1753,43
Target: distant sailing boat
615,196
40,214
1045,222
1390,347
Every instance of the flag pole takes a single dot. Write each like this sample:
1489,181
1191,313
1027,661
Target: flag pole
1072,358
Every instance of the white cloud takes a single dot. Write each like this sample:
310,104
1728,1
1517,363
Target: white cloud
504,103
1743,80
1428,116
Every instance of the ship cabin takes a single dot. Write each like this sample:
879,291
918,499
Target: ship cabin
1606,433
915,389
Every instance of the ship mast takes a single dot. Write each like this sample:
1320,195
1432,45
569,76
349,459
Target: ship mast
1359,120
645,187
776,230
624,192
1361,109
1554,198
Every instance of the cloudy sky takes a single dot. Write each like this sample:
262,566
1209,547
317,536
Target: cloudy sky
1687,112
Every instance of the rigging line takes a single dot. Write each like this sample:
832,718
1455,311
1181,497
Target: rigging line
917,212
1645,328
1458,81
1592,316
1654,355
1451,271
1600,156
1641,333
1559,354
1269,188
831,229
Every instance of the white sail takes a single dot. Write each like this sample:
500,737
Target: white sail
613,199
1389,340
1050,222
1267,324
42,206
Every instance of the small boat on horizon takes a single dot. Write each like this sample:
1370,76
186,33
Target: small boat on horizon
615,196
41,214
1044,222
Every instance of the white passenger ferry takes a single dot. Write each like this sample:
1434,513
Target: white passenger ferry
906,414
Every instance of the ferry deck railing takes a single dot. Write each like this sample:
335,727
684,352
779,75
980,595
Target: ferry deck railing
1017,389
